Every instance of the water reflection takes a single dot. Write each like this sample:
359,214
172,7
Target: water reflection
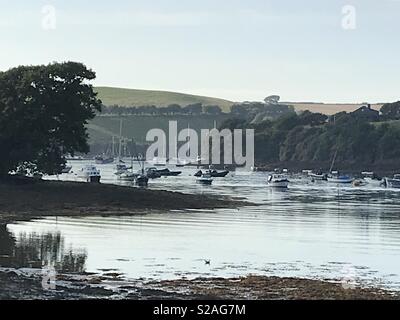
35,250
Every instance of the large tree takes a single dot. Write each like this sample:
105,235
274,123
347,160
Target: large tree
43,112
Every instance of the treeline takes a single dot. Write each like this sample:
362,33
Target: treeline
245,110
172,109
314,139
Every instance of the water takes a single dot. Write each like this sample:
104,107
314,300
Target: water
312,230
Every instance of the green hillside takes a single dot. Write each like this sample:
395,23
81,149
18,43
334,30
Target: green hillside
131,97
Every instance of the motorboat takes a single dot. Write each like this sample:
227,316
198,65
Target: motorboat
205,179
278,181
318,176
90,174
152,173
392,182
335,177
168,173
66,169
213,173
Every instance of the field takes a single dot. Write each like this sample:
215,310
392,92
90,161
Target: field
131,97
329,108
103,128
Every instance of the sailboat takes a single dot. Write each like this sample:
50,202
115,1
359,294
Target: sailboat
335,176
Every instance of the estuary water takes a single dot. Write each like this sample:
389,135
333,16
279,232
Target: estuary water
313,230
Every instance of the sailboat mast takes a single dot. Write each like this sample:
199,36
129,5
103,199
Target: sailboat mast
120,140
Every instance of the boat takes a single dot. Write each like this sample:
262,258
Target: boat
141,180
392,182
103,159
168,173
372,179
318,176
66,169
335,177
90,174
205,179
278,181
214,173
152,173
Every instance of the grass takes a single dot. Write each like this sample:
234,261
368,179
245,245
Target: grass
329,108
133,97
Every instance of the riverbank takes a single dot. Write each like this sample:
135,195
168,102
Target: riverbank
16,284
28,199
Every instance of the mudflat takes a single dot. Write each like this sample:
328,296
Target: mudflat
27,199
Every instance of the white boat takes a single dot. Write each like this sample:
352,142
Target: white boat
67,169
90,174
393,182
205,178
278,181
338,179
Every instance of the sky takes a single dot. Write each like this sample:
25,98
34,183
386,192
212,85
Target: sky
303,50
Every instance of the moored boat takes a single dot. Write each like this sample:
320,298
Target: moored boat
205,179
335,177
90,174
392,182
278,181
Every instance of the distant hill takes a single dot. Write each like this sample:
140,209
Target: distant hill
132,97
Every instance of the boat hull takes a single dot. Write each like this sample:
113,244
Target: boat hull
392,183
279,184
340,180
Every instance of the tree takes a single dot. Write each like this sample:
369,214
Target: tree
173,108
194,109
213,110
391,111
43,112
272,99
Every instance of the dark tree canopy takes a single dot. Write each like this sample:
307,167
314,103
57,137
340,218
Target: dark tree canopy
391,111
43,112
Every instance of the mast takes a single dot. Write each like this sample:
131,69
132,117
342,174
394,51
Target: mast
120,140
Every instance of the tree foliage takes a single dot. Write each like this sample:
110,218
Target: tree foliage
43,112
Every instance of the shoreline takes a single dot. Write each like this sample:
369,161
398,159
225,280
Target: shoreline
27,285
55,198
32,199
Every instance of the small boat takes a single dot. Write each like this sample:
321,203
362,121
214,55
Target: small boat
213,173
90,173
359,183
157,162
141,180
318,176
152,173
392,182
103,159
205,179
67,169
339,179
278,181
168,173
127,176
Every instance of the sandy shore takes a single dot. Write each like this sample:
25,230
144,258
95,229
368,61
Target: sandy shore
23,200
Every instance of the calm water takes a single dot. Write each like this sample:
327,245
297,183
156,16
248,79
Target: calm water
313,230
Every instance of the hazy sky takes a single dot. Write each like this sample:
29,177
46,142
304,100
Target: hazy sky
238,50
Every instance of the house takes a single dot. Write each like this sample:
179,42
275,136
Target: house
366,112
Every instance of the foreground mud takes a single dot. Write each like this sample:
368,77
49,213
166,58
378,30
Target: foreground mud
33,199
15,284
